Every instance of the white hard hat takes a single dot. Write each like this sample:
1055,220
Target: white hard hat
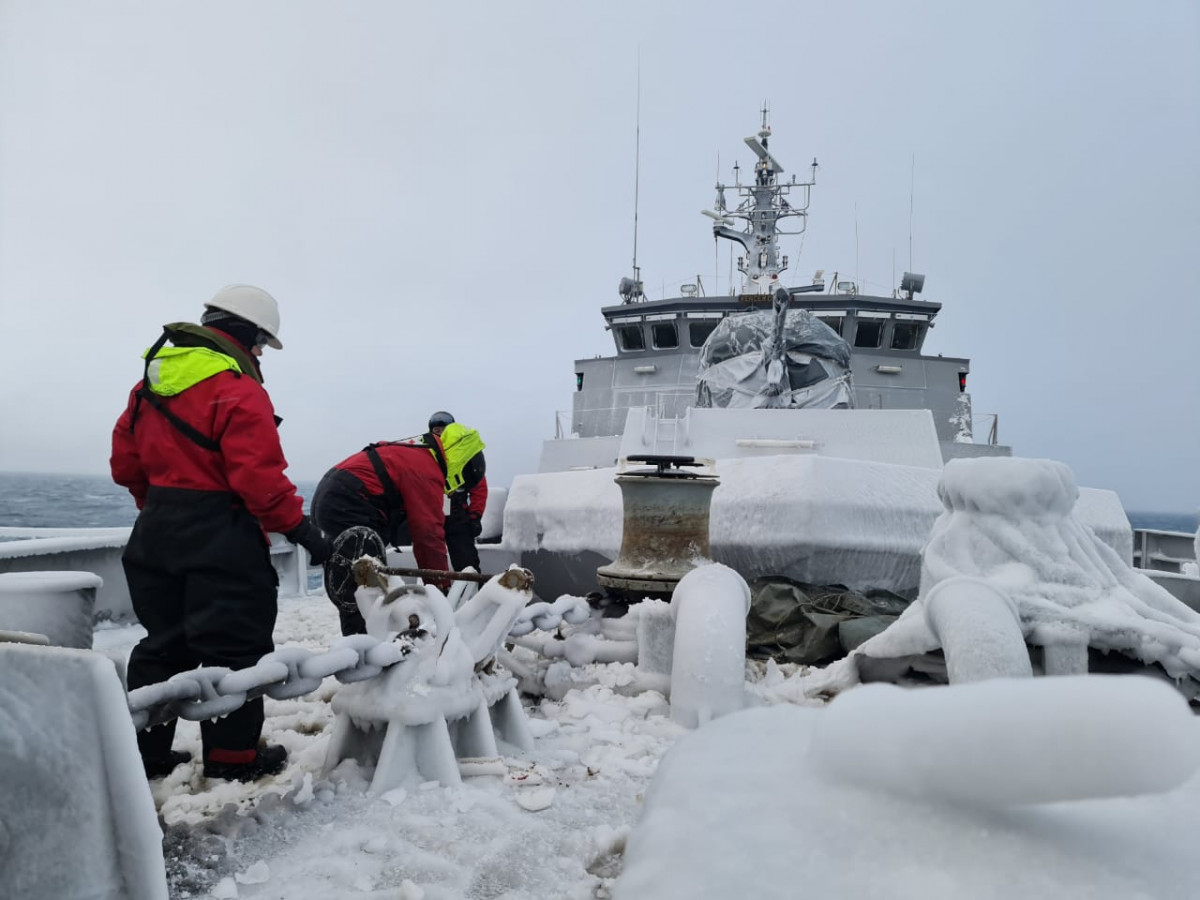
252,304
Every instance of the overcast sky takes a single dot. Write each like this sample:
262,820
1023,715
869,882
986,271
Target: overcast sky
441,197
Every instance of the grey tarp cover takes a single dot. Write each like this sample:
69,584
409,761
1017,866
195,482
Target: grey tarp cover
809,624
735,363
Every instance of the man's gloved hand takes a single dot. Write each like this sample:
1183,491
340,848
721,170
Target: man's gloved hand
312,539
476,526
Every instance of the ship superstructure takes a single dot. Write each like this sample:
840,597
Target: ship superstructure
658,342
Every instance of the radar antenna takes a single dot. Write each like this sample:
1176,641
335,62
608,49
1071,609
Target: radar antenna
762,204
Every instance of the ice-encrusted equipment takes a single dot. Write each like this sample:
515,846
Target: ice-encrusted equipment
665,526
447,699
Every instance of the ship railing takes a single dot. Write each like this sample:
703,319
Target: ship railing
1163,551
562,432
99,551
993,437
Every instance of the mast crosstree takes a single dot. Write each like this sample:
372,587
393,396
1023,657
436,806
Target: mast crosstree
763,205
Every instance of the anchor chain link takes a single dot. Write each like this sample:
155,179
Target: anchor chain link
213,691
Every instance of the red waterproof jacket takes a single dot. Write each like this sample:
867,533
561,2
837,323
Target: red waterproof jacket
421,485
230,408
478,499
470,503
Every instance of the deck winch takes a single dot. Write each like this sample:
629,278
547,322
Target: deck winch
665,528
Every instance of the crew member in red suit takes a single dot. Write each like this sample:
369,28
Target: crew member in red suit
198,448
392,492
464,522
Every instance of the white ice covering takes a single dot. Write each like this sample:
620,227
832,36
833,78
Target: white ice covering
708,670
817,519
912,794
438,680
59,605
304,834
1014,523
77,820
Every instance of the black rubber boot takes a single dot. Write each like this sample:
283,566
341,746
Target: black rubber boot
158,766
268,760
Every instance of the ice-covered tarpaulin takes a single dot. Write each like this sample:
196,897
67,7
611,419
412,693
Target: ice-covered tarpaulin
1012,526
748,362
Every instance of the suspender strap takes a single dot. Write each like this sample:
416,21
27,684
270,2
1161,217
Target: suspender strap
192,434
389,487
432,443
150,354
196,437
390,493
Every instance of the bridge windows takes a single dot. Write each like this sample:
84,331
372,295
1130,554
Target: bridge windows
869,327
663,333
700,326
869,332
630,337
908,331
905,335
835,319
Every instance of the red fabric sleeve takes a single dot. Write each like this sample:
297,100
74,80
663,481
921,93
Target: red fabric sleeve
125,463
477,501
253,457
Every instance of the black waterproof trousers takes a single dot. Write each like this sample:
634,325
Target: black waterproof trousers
202,585
339,503
460,539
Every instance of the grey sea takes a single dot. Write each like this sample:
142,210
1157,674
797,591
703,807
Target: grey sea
30,500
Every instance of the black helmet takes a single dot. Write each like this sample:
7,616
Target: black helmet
440,419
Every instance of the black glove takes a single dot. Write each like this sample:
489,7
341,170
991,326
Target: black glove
312,539
476,527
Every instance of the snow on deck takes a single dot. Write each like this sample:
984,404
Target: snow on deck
553,822
531,832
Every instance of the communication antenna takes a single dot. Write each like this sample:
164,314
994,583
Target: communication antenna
856,278
637,164
912,174
630,289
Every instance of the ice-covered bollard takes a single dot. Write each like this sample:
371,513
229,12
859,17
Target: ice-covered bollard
77,819
655,644
1064,648
708,668
59,605
1009,742
979,629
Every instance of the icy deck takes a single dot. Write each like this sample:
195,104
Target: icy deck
552,822
529,833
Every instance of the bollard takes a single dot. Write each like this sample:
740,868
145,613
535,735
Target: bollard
708,668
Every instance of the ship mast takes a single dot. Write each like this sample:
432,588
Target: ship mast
762,206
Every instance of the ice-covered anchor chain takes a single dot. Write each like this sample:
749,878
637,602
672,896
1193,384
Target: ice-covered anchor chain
214,691
542,616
